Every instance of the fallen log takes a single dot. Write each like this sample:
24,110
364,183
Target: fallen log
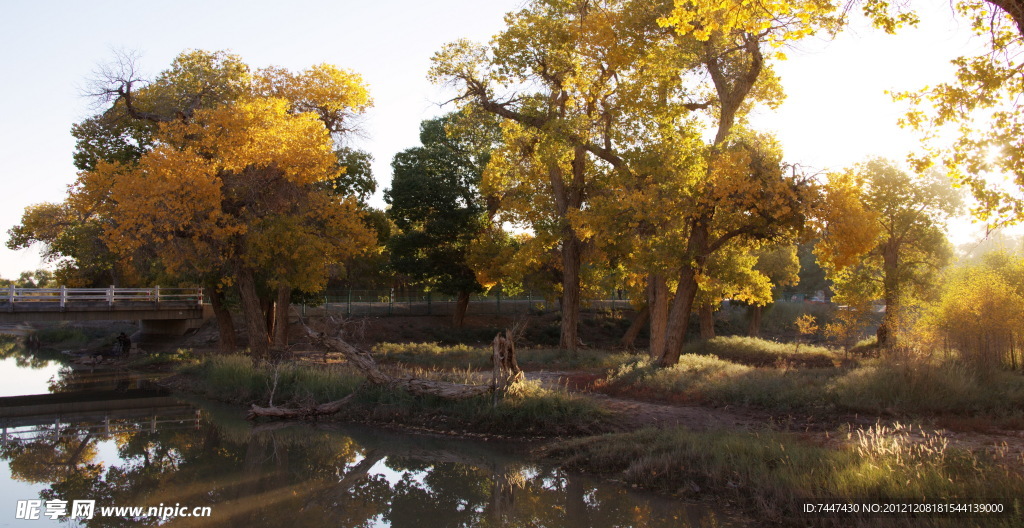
323,409
364,362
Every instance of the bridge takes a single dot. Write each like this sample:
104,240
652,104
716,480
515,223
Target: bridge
169,311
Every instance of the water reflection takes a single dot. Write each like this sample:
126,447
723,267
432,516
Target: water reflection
295,475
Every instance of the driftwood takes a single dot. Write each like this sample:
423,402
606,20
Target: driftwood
506,372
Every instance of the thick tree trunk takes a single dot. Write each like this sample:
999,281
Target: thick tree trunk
682,304
658,300
267,306
570,292
679,317
639,321
225,325
284,297
886,334
754,313
252,311
707,321
461,305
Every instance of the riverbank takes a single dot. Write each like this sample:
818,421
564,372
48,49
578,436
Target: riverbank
761,430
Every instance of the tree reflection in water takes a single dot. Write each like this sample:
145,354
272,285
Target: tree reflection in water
304,475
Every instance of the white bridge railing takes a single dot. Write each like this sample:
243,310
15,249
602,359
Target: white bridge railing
92,296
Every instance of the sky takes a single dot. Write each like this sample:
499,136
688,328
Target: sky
837,112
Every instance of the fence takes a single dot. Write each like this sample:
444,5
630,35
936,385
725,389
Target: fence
64,296
399,303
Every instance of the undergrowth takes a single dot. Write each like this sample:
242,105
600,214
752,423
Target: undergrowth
774,473
528,410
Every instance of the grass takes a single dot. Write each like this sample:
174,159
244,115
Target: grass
916,387
62,336
763,353
181,356
239,379
922,387
772,473
434,355
530,410
713,380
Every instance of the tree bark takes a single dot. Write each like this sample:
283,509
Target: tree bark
679,317
570,292
754,313
461,305
658,300
639,321
506,368
682,304
886,335
267,307
707,321
225,325
252,311
284,297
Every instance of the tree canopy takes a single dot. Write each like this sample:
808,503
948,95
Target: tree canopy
216,173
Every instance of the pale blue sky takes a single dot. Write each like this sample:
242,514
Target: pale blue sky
50,49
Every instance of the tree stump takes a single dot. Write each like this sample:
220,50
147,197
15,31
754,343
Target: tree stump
506,370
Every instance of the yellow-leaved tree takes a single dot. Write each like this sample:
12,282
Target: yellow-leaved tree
229,189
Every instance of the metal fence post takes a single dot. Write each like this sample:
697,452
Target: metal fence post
110,295
63,296
156,291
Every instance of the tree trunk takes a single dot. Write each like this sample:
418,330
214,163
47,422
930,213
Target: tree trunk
267,306
570,292
252,311
679,317
707,321
225,326
754,313
658,300
639,321
461,305
886,335
284,297
682,304
506,371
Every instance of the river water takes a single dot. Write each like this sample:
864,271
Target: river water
193,458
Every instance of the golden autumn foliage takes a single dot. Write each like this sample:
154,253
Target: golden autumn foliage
227,186
848,229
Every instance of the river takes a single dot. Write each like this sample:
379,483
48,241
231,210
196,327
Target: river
200,464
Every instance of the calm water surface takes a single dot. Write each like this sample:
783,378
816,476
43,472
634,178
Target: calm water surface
195,454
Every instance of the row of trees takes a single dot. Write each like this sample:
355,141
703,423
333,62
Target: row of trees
611,135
